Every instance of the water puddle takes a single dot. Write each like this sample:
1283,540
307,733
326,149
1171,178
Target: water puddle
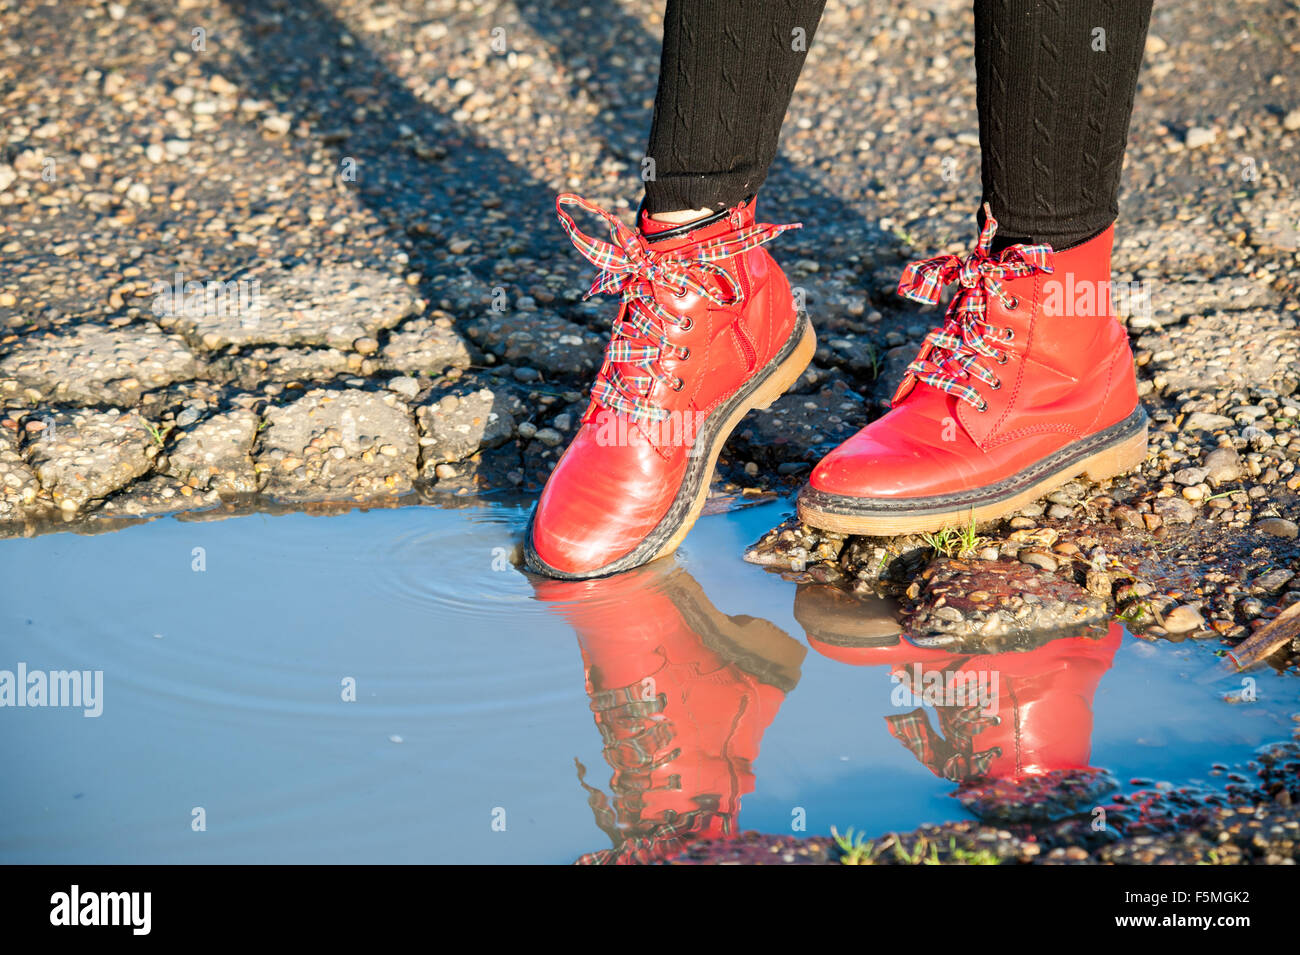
388,687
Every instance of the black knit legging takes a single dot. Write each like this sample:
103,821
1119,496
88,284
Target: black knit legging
1055,84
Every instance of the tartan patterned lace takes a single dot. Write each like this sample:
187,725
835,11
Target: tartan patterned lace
952,354
631,267
950,751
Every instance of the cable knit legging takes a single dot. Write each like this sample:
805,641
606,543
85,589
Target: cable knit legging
1055,84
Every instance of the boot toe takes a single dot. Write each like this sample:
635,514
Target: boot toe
568,546
590,517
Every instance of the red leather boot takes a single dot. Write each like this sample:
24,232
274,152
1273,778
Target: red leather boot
1028,383
707,331
682,695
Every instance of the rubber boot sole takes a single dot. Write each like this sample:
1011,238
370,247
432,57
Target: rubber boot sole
772,382
1110,452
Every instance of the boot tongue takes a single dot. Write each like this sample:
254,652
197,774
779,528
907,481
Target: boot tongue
668,237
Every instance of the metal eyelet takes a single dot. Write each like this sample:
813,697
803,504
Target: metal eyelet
1002,358
1011,334
996,385
678,385
982,406
684,354
687,324
1011,305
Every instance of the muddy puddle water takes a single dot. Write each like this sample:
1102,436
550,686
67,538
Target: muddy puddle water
387,687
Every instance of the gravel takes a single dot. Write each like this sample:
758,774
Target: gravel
339,445
93,365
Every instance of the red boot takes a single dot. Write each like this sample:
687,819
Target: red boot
707,330
1028,383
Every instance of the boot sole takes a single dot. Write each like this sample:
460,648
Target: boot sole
1110,452
759,392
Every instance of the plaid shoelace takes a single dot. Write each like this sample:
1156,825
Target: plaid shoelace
952,756
951,354
631,267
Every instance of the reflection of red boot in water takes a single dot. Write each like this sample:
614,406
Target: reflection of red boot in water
682,694
1005,715
1039,720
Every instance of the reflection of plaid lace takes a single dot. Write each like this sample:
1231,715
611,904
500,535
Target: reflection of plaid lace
630,266
950,753
664,838
638,741
951,353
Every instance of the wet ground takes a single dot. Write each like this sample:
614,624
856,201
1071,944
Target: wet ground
387,686
386,312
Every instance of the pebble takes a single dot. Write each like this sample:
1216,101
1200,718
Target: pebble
1190,476
1175,510
187,417
1272,581
1183,619
1278,527
1222,465
1259,439
1038,558
1205,421
404,385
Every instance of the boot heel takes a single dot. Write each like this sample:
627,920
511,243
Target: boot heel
1120,459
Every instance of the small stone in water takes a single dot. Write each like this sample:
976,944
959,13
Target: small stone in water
1038,558
1183,619
1278,527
